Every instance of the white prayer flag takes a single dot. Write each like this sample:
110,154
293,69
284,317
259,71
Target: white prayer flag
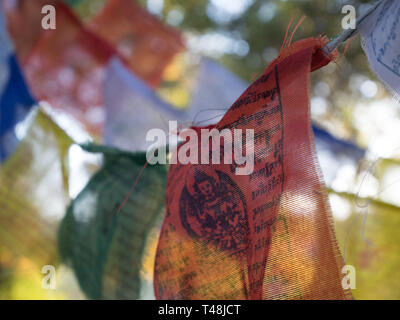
380,33
216,89
132,109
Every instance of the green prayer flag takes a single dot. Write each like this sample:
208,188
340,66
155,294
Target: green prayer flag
105,232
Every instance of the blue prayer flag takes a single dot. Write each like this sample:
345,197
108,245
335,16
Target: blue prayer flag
15,98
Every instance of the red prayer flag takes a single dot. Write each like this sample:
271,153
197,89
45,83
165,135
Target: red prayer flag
266,235
144,41
67,69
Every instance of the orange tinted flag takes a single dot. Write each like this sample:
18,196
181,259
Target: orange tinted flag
267,234
139,37
67,68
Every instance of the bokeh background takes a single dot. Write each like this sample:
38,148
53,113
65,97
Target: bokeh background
347,101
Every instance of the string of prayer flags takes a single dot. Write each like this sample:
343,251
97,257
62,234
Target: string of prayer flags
66,68
145,42
132,109
34,191
106,233
380,32
265,233
15,98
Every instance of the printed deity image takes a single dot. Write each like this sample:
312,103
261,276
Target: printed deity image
213,209
255,236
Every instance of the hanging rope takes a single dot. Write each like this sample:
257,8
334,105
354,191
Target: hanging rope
347,34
